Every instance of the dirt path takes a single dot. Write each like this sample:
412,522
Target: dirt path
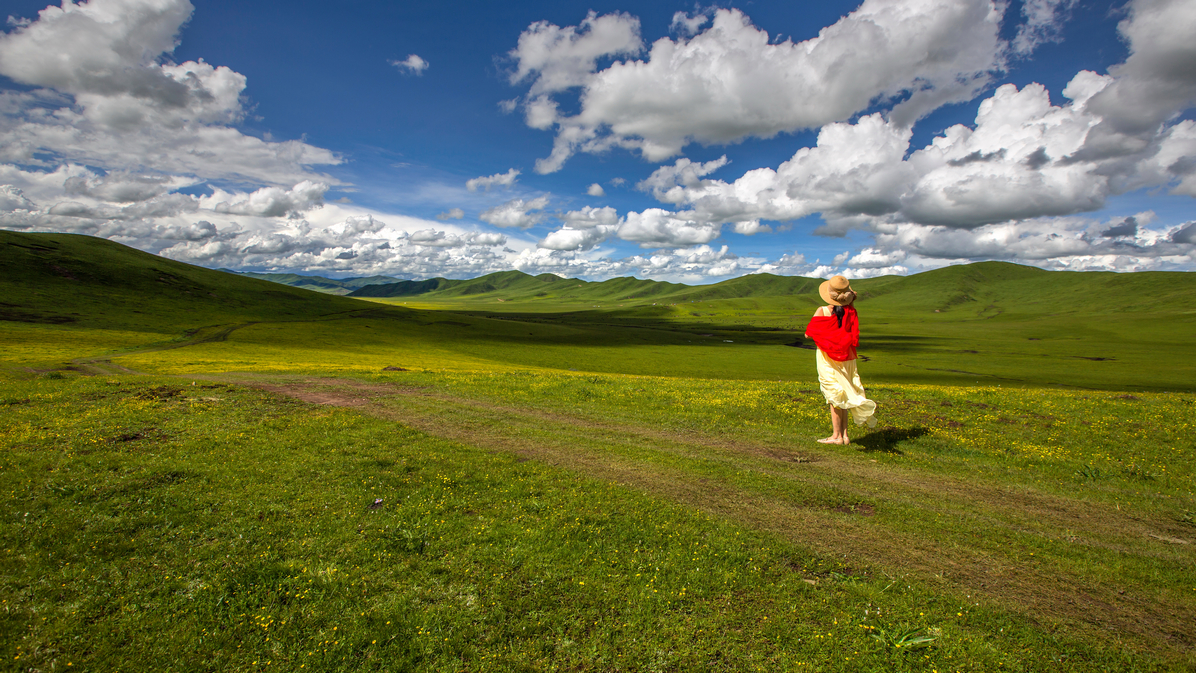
102,367
984,554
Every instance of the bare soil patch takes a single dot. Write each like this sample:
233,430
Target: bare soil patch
861,509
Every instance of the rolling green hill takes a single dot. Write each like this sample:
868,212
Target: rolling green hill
979,288
988,323
404,288
92,282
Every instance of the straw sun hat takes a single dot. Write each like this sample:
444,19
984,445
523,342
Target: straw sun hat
837,291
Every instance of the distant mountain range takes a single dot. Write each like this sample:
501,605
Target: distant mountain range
517,286
53,277
318,283
978,287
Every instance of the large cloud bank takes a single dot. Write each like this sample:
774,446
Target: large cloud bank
102,93
730,81
1013,185
105,97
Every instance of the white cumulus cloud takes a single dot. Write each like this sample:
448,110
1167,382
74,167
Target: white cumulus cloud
561,58
441,239
413,65
107,99
689,25
670,183
485,183
569,238
583,229
590,217
358,244
1076,243
1024,158
1043,19
1155,82
12,199
517,213
730,82
123,187
656,227
269,201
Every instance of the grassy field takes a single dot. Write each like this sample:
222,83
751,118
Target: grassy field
230,479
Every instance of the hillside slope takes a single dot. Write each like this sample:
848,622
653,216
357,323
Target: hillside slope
986,288
94,282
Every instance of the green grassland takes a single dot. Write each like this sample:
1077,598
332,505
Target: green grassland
203,471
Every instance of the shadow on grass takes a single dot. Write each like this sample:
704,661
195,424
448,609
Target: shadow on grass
886,440
901,344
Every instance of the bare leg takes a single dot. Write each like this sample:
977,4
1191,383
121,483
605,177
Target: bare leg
840,424
834,438
838,427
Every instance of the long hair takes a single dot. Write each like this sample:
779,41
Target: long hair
848,298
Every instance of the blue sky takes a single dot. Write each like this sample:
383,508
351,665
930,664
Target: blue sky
663,140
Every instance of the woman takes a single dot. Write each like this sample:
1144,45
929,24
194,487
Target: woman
835,329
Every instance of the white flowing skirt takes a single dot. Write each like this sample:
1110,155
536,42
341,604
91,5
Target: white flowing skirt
840,384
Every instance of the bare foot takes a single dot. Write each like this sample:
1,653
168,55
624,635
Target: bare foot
828,440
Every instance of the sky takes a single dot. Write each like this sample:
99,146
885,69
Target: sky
663,140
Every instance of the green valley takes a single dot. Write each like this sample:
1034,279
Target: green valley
525,473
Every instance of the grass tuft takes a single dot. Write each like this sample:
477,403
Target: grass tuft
899,640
